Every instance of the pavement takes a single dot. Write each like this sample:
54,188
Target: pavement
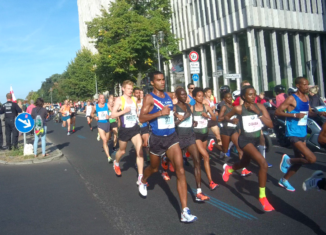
65,196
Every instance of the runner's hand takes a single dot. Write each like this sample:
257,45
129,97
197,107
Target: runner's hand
107,116
235,121
165,111
195,123
300,115
203,114
127,109
96,118
180,117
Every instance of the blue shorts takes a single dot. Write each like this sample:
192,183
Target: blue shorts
65,118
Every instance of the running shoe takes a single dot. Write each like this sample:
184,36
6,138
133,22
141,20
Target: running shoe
187,154
187,217
212,185
245,172
98,137
285,184
228,153
68,133
142,189
73,131
165,176
171,168
200,197
269,165
226,173
116,169
211,144
267,207
110,160
164,164
284,166
312,181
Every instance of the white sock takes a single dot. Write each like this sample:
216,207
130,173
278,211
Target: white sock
262,150
198,190
116,163
185,209
230,145
243,168
140,176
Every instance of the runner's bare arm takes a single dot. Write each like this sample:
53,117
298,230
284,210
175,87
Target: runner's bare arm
288,103
236,110
213,117
148,105
221,115
171,94
116,107
265,118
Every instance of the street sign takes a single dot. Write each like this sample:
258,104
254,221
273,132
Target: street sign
194,67
218,73
232,76
195,77
24,122
193,56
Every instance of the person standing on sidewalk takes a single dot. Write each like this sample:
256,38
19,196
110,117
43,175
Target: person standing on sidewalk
1,137
29,110
11,111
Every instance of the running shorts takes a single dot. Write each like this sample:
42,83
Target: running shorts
294,139
211,123
126,134
201,137
228,131
113,125
144,130
104,126
65,118
88,116
158,145
244,141
186,141
73,115
323,146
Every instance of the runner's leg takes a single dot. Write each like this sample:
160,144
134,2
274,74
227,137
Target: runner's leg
137,142
104,139
192,149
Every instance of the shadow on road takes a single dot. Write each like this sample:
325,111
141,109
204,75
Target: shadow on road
61,146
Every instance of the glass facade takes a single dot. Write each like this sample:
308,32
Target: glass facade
244,57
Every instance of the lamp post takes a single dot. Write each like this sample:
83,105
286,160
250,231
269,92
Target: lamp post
157,40
94,69
51,90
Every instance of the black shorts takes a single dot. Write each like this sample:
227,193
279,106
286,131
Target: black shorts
89,117
212,123
202,137
228,131
73,115
158,145
323,146
126,134
243,141
104,126
113,125
294,139
186,141
144,130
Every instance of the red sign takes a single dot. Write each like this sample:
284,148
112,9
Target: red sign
193,56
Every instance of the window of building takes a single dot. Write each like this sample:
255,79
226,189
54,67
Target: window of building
231,60
201,12
259,67
268,3
262,3
313,56
209,67
280,4
236,6
254,3
292,57
293,5
283,65
197,25
207,13
323,56
229,7
219,63
269,57
303,56
275,4
223,8
217,10
287,5
243,3
300,8
244,57
211,10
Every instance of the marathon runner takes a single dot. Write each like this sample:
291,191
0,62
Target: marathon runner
252,116
113,125
88,110
73,112
103,125
158,111
297,106
129,129
65,111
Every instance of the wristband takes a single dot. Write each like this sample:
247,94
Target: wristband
295,115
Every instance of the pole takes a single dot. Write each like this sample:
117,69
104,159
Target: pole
158,56
51,97
24,141
96,83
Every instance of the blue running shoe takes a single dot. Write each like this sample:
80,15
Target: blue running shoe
285,184
228,154
269,165
234,149
284,166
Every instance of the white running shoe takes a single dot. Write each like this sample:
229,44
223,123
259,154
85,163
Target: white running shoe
187,217
142,189
68,133
312,181
98,137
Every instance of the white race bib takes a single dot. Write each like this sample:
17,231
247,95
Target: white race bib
303,121
72,110
102,115
186,123
231,124
251,123
166,122
201,122
130,120
88,110
67,113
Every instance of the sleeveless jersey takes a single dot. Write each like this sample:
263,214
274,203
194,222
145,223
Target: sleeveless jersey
66,110
201,121
250,123
89,109
192,100
129,120
111,120
102,112
228,125
294,126
162,126
185,127
139,106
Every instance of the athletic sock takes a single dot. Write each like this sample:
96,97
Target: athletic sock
140,176
262,150
73,127
230,171
262,192
116,163
198,190
230,145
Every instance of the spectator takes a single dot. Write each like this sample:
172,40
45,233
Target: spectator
314,98
30,107
262,97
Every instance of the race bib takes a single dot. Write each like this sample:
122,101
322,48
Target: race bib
102,115
303,121
186,123
251,123
201,122
231,124
166,122
67,113
88,111
72,110
130,120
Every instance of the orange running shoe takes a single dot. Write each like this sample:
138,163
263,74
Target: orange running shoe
116,169
187,154
165,176
226,173
212,185
200,197
164,165
171,168
245,172
211,144
267,207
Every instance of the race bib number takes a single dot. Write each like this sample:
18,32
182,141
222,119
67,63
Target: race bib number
102,115
186,123
130,120
72,110
303,121
251,123
201,122
231,124
88,111
67,113
166,122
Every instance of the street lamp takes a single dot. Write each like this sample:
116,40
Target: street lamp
51,90
94,69
157,40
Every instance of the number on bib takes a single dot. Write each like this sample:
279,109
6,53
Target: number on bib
166,122
251,123
102,115
186,123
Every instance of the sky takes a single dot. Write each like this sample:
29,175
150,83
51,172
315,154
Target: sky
38,38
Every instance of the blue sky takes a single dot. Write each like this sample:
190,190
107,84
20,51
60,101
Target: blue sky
38,38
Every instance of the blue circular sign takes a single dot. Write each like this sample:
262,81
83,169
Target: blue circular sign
24,122
195,77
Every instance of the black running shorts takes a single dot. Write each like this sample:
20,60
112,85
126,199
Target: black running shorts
104,126
294,139
212,123
144,130
126,134
186,141
228,131
113,125
158,145
202,137
244,141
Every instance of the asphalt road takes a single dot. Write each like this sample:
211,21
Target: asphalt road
90,185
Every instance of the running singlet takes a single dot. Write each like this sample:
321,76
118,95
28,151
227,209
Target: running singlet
66,110
139,106
102,112
162,126
111,120
192,101
129,120
201,121
228,125
294,126
185,127
250,123
89,110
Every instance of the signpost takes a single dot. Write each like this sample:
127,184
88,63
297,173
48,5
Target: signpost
24,123
195,77
232,76
194,67
193,56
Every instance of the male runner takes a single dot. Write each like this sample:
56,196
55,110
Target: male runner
297,106
65,111
129,129
113,125
157,110
190,99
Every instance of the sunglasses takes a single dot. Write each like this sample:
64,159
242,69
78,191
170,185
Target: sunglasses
191,88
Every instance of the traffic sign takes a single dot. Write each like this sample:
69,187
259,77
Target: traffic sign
195,77
232,76
24,122
193,56
194,67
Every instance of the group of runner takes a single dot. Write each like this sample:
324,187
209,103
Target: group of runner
68,112
162,124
